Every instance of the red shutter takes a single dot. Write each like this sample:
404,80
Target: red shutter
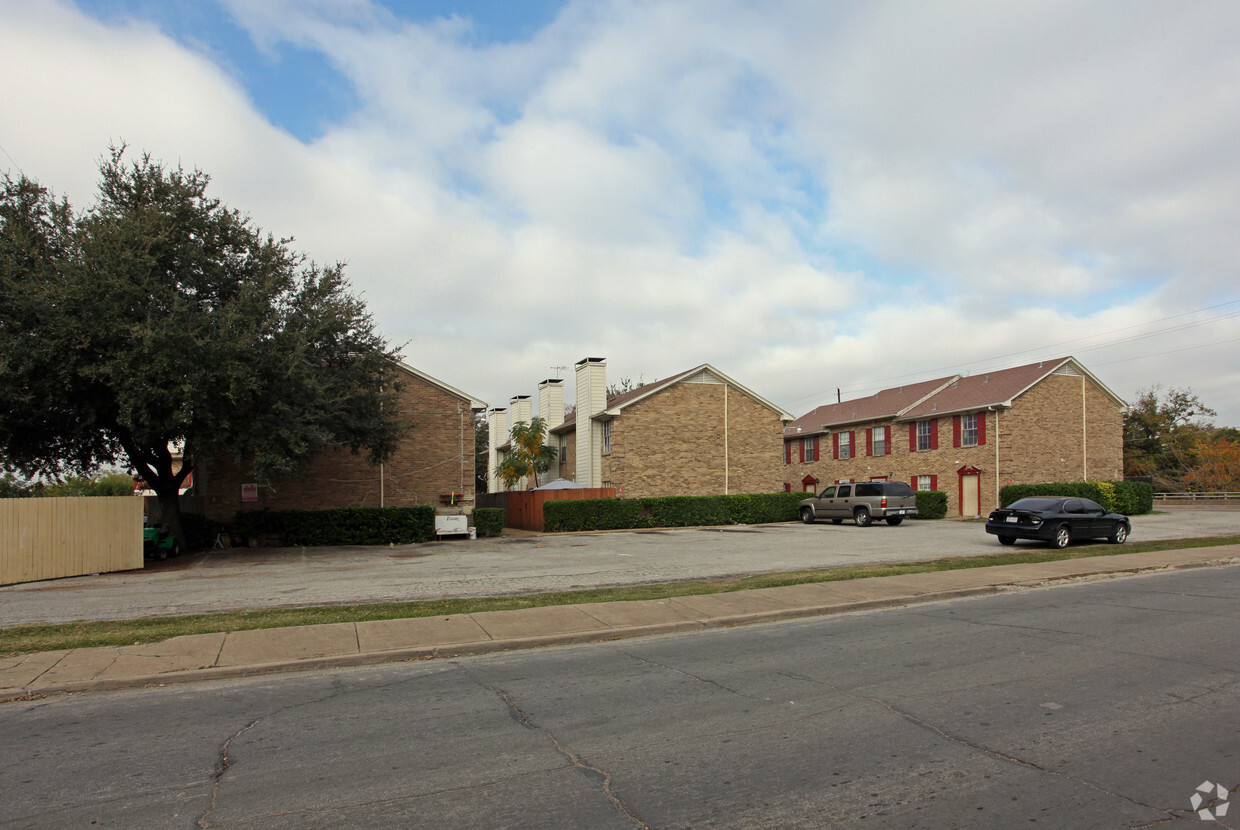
787,487
787,452
869,440
912,437
934,433
815,452
835,445
801,449
955,430
852,443
981,428
934,482
887,440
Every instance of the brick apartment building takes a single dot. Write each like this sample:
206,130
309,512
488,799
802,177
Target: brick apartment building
434,464
966,436
695,433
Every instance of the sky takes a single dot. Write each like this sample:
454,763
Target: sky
819,198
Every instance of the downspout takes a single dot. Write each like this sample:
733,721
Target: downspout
997,505
725,440
1084,435
381,504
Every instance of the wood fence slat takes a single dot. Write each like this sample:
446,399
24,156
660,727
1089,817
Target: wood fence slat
57,537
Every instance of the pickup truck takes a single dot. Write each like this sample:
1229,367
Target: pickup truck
862,501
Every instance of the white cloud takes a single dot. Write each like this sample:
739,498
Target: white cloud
807,195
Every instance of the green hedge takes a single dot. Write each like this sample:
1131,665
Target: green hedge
489,521
1128,497
670,511
345,526
931,504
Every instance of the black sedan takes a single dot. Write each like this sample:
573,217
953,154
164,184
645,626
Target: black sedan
1057,520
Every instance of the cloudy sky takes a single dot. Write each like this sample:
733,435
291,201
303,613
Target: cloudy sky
810,195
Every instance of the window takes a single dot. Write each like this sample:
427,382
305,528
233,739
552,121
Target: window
563,449
927,482
844,491
606,437
925,435
968,430
880,441
810,448
845,444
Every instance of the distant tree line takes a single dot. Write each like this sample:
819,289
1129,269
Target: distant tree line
1170,440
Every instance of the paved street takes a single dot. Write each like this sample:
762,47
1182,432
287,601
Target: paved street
1100,704
487,567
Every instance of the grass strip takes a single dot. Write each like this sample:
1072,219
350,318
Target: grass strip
25,639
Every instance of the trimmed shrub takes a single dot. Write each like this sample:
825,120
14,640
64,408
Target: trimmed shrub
344,526
489,521
1128,497
670,511
931,504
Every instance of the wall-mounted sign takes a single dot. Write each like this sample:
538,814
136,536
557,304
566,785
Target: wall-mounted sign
249,492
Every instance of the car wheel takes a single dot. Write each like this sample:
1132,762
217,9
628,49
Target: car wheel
1007,540
862,517
1063,537
161,553
894,520
1119,534
807,515
837,521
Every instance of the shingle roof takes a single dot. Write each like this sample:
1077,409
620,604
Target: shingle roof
948,395
987,389
889,403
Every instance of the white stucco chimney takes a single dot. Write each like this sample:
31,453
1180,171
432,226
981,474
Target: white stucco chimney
591,400
497,430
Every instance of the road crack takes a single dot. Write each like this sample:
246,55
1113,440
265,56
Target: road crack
985,750
603,775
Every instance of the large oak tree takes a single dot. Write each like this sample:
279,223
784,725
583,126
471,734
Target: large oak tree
159,320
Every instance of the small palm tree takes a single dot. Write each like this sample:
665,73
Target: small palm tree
529,456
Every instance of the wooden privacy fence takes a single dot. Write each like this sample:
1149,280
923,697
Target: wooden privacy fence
523,509
51,538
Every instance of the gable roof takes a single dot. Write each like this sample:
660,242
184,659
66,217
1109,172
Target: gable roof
474,403
943,396
699,374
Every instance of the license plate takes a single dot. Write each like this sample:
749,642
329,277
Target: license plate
1012,519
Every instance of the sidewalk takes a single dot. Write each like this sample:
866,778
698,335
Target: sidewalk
246,653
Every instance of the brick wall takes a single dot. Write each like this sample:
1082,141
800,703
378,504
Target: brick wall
436,458
695,439
1058,430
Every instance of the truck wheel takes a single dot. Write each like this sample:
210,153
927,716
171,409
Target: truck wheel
1007,540
807,515
862,517
894,520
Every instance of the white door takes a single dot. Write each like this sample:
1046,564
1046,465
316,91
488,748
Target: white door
970,496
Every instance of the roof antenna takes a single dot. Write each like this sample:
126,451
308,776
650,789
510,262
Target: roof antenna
558,369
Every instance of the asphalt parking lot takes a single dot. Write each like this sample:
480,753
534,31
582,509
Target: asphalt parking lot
275,577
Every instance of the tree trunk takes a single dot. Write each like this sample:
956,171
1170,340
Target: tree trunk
170,510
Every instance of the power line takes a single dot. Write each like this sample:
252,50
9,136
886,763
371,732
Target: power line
990,362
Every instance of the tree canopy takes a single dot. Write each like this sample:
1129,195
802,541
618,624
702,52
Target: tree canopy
159,320
528,456
1163,433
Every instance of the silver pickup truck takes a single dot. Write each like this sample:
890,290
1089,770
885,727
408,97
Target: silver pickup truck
862,501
